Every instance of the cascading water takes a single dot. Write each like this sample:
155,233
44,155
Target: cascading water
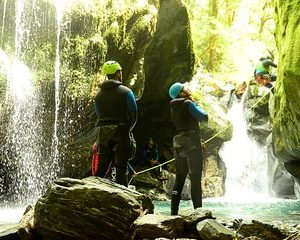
246,161
22,138
55,140
3,19
24,148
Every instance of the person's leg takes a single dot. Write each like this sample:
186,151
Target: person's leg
104,159
181,172
122,154
273,78
176,193
195,166
121,159
196,190
270,85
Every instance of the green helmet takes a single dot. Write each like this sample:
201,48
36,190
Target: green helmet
110,67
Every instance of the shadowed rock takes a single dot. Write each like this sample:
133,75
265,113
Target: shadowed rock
262,230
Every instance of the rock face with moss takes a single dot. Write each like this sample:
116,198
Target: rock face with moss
286,124
150,39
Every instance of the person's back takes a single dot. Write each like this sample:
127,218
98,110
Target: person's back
117,114
263,67
262,73
112,100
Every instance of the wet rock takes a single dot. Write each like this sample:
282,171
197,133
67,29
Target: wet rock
210,229
262,230
153,226
295,236
213,180
10,234
92,208
26,229
191,217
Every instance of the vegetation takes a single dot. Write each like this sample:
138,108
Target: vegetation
228,37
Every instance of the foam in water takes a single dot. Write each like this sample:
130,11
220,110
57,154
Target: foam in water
245,160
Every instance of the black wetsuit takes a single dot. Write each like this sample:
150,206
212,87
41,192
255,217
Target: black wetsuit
188,153
117,114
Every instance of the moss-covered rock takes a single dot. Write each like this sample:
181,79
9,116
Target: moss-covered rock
286,124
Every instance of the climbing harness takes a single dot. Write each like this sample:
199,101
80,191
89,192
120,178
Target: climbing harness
205,142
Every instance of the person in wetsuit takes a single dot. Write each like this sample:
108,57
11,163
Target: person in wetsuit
116,109
262,72
186,114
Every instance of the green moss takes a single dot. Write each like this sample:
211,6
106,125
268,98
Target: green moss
286,126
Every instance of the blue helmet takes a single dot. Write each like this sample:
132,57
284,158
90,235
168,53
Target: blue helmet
175,89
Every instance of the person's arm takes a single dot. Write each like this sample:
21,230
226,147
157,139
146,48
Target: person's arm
268,62
132,109
197,112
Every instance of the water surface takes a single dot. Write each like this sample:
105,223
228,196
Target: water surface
269,210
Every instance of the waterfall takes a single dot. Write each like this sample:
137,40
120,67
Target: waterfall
55,139
3,20
22,149
25,160
246,161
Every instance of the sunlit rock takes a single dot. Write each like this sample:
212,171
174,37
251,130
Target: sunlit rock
92,208
211,229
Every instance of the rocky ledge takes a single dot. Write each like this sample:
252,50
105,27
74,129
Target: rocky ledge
94,208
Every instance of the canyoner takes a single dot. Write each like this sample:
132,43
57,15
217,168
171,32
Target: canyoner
116,110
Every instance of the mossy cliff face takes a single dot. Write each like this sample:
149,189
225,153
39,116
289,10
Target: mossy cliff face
169,57
150,39
286,124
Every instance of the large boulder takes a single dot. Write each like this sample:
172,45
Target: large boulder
286,124
92,208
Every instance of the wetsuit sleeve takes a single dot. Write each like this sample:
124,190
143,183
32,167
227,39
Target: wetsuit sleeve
197,112
268,63
132,109
97,109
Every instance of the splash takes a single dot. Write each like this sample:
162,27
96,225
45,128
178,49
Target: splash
245,160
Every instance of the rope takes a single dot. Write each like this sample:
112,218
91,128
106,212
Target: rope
208,140
149,169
